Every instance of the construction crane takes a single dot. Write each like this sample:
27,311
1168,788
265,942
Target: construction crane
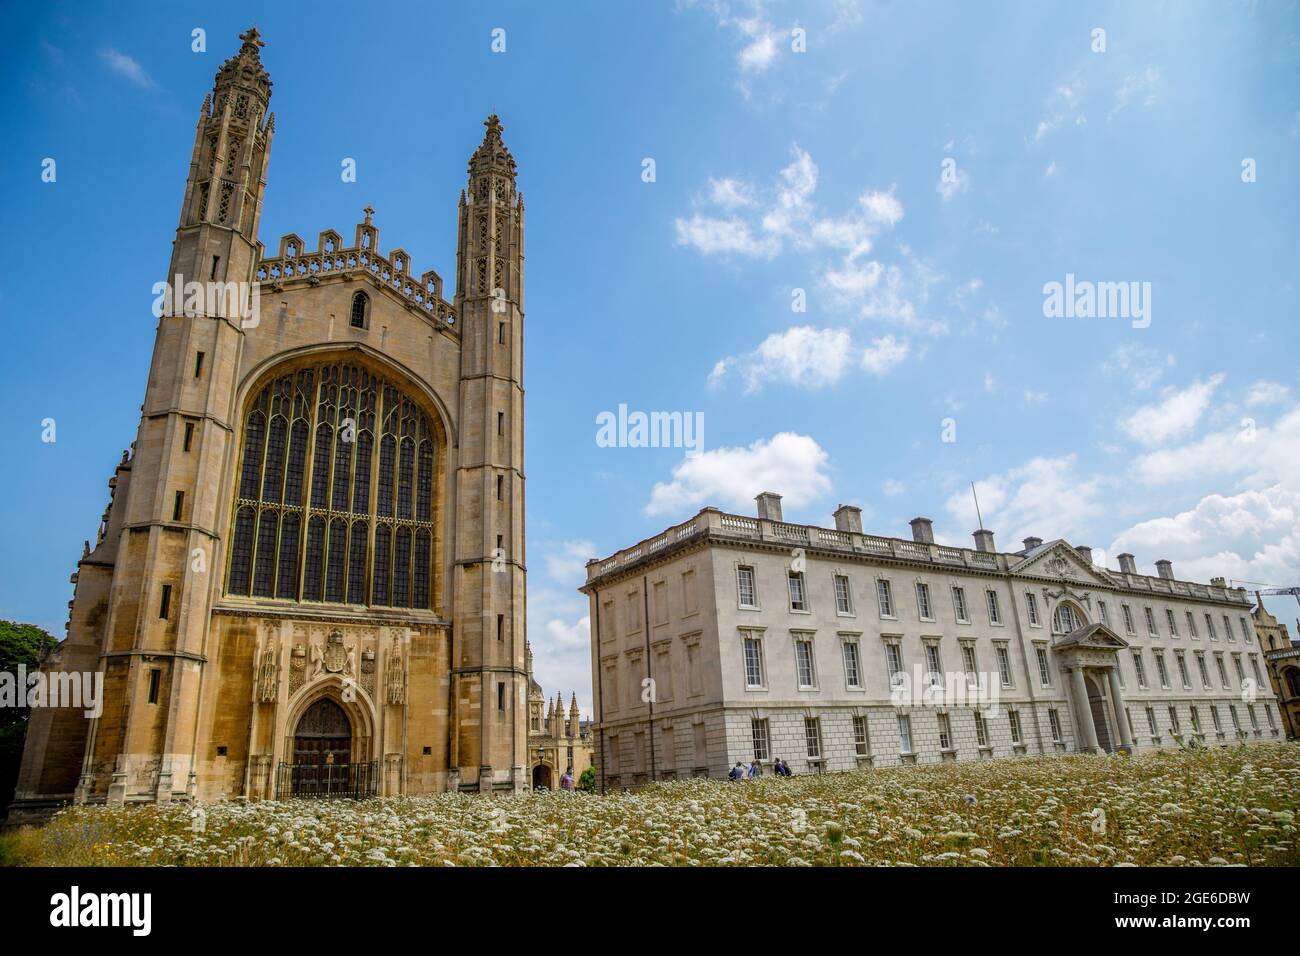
1264,589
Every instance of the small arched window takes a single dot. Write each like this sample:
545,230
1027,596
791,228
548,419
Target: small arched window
360,311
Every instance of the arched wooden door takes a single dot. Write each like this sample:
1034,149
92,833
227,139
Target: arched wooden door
323,736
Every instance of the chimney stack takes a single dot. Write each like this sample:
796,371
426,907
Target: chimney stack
1126,563
1165,568
848,518
922,530
1219,582
1032,542
983,540
769,506
1085,552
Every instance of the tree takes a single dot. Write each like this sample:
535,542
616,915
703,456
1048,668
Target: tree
587,782
19,644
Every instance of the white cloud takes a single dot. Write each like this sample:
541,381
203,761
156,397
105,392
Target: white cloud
1143,367
801,356
126,66
568,565
1035,398
711,236
948,188
1045,497
883,354
1050,171
1063,108
1174,416
730,193
893,488
1137,87
791,465
990,383
760,52
1267,393
1263,454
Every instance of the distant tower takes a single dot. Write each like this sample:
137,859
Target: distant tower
573,717
489,575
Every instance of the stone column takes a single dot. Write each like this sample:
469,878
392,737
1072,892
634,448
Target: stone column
1121,715
1084,709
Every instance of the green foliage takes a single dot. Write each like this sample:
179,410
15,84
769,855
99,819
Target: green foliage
587,782
19,644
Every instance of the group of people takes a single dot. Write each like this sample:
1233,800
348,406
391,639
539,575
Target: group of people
738,772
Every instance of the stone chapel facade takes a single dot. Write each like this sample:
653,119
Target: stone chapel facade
310,577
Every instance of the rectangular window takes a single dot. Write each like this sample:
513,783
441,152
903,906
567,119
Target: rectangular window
745,587
177,504
945,732
1209,627
995,614
501,423
812,732
969,663
1172,622
1254,669
1004,665
501,627
803,659
1236,663
758,727
1196,719
1151,720
852,672
981,730
1245,630
904,734
1031,604
1182,670
886,597
1054,722
155,678
798,601
1105,618
1161,671
1013,718
1151,622
861,742
753,661
500,486
843,600
934,665
1044,671
165,603
1254,717
923,608
1215,718
1223,671
1236,720
1139,668
1128,619
1268,712
1173,719
959,605
695,678
501,695
894,661
1227,629
189,436
1205,674
1191,627
501,333
198,365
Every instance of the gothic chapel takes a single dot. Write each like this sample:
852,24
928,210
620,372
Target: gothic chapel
309,580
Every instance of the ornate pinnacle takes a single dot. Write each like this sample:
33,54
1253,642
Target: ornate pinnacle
252,41
370,212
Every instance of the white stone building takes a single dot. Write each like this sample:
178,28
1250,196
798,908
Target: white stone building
727,638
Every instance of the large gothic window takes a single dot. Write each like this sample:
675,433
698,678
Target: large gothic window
336,492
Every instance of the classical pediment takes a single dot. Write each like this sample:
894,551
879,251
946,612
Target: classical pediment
1057,561
1092,635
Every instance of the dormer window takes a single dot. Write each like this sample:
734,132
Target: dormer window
360,311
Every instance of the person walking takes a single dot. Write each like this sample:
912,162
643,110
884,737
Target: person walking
755,769
566,782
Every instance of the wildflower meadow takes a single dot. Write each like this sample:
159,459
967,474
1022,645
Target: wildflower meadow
1209,807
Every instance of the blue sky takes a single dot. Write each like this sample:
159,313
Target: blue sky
774,171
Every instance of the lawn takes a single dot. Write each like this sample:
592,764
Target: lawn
1215,807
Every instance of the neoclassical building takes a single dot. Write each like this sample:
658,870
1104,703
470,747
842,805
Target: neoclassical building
1282,656
310,576
730,637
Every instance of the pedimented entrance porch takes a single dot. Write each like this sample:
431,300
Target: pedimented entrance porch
1088,655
